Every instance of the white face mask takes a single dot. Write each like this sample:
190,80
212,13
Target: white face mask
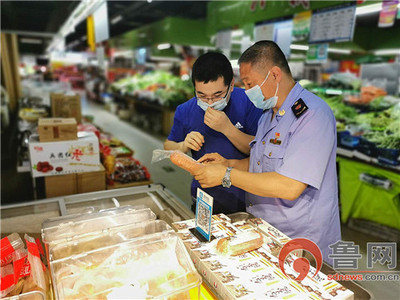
256,96
218,105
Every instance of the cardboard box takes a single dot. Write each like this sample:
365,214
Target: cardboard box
66,106
91,181
57,129
65,157
60,185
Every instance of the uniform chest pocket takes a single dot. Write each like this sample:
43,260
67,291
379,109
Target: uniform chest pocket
273,158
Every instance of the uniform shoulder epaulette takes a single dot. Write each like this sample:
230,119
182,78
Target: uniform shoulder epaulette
299,108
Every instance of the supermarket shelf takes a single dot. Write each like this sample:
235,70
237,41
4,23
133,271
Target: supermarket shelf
357,156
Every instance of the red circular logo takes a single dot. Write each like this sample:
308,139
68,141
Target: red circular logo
301,265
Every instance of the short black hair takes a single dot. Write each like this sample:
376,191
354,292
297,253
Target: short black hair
210,66
264,52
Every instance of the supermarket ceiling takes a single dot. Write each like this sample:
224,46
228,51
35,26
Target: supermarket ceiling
36,22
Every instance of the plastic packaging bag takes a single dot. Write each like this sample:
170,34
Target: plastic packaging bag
7,280
178,158
8,245
37,273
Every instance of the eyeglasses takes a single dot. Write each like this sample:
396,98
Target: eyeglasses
213,99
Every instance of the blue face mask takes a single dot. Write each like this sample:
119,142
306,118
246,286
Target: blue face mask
218,105
256,96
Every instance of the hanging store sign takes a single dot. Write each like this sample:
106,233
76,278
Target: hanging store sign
333,25
317,53
388,14
301,25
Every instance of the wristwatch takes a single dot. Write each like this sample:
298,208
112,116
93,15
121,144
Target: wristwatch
226,181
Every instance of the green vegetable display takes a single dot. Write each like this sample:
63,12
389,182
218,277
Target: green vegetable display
379,127
167,89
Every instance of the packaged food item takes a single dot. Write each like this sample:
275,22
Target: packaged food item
22,267
138,269
185,162
7,280
178,158
37,267
108,237
240,243
67,227
126,170
8,245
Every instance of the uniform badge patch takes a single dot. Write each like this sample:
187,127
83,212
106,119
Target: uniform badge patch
299,108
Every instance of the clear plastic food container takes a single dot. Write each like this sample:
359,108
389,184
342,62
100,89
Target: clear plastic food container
66,227
135,269
34,295
112,236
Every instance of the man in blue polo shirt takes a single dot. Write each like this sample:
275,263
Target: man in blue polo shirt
220,118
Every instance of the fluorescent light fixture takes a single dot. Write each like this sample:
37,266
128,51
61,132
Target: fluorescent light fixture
333,92
116,19
30,41
237,33
163,46
368,9
161,58
340,51
299,47
387,52
149,1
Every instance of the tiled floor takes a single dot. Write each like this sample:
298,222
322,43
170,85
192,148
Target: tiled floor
178,182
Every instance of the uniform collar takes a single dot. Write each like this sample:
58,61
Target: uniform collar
289,101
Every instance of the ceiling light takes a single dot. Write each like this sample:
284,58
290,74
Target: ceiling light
387,52
116,19
299,47
368,9
340,51
163,46
149,1
30,41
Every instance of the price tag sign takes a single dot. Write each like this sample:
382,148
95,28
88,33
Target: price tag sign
204,208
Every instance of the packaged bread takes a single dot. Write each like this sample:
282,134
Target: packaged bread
185,162
240,243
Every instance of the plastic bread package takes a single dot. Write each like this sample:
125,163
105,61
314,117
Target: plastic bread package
7,280
37,267
178,158
8,245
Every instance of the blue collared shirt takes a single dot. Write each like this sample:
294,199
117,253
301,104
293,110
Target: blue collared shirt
190,117
303,149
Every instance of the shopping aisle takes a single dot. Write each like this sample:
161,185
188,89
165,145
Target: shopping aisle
175,179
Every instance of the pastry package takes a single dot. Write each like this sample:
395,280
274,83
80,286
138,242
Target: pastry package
151,267
107,237
240,243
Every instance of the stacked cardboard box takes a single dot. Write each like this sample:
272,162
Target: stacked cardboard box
66,106
57,129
